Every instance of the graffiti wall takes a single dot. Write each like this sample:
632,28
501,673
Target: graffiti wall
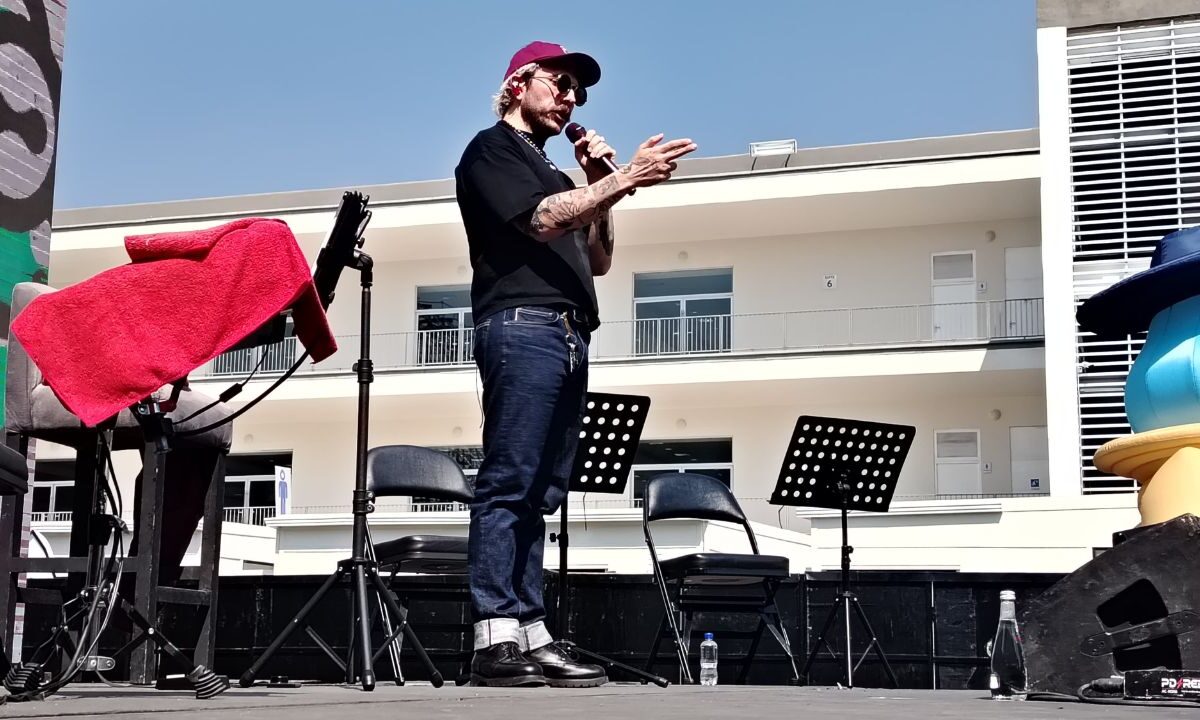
31,52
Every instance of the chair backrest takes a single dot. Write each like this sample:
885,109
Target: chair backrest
693,496
21,375
690,495
409,470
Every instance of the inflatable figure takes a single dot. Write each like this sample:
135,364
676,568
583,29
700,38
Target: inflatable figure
1162,392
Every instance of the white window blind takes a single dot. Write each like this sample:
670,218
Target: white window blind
957,445
953,266
1135,170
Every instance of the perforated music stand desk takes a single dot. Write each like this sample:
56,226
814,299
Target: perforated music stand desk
610,431
844,465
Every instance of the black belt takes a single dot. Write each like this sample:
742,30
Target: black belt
577,316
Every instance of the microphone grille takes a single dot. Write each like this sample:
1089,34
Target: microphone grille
574,131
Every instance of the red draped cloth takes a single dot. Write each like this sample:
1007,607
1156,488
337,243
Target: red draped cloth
108,342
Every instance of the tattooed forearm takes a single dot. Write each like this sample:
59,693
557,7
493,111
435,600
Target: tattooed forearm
566,211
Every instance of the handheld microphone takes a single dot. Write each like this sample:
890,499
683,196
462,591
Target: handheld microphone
574,131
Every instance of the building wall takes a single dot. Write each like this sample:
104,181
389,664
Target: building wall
31,57
770,274
323,450
873,267
1062,408
32,33
1086,13
1047,534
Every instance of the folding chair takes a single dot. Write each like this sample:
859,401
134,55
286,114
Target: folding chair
417,472
710,582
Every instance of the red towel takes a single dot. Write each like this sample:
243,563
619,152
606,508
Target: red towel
110,341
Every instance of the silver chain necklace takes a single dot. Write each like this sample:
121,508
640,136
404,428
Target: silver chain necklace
529,140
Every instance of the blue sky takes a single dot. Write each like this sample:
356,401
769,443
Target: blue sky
200,98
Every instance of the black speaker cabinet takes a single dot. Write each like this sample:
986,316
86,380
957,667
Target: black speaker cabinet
1133,607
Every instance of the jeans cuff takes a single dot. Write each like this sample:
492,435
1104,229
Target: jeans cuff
535,635
497,630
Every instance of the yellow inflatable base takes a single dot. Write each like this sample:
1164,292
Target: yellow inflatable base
1167,464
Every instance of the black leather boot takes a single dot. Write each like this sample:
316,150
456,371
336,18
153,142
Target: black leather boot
563,669
504,665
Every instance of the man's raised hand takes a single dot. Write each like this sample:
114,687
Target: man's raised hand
654,160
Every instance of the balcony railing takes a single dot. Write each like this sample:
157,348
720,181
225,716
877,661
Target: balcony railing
63,516
622,502
249,515
391,505
275,358
801,331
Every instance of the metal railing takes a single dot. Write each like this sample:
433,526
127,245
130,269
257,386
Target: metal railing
438,507
602,500
259,515
62,516
930,325
389,505
445,347
275,358
249,515
682,336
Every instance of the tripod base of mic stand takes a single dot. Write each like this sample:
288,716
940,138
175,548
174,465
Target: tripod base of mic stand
361,573
608,663
846,600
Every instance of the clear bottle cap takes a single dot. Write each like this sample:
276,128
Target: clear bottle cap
708,636
1008,595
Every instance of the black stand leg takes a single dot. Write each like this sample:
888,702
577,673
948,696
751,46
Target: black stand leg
360,568
99,596
875,644
662,628
745,673
842,605
563,615
299,620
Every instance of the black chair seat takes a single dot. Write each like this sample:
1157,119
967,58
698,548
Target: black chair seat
13,472
432,554
713,565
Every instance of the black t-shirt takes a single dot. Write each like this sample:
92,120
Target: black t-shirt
499,181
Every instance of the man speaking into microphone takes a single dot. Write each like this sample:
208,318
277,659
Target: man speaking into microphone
536,241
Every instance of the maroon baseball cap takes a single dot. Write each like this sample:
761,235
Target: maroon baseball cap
584,67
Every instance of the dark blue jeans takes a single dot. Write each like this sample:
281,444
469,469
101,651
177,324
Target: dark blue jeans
533,361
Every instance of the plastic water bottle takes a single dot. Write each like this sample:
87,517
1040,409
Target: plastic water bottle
708,660
1008,680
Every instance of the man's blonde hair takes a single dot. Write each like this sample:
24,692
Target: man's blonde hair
503,99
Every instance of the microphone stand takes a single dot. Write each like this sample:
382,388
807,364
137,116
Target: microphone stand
360,568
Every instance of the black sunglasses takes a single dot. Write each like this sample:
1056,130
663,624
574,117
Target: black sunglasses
563,84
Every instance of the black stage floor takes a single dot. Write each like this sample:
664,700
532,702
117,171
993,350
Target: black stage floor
615,700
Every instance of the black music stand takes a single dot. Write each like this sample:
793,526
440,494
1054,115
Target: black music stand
844,465
608,440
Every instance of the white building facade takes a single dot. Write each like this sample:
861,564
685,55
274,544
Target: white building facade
929,282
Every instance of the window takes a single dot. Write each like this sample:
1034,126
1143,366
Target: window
683,312
657,457
445,326
250,486
53,490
